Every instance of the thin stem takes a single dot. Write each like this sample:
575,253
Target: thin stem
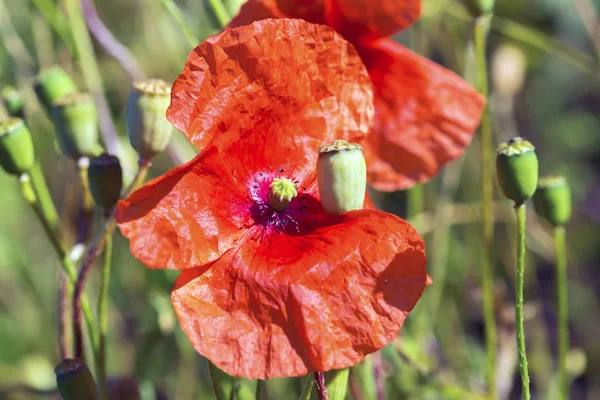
414,201
56,19
563,312
44,199
379,375
214,378
218,8
87,210
480,30
110,43
63,299
27,187
520,211
91,74
320,385
91,256
103,317
260,388
178,16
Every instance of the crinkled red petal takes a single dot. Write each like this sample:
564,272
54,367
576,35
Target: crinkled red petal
300,303
255,10
187,217
291,77
425,116
364,20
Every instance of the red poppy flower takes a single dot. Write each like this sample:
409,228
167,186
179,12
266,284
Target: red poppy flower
267,293
425,114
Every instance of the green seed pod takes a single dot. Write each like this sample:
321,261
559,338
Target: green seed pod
76,123
74,380
106,180
147,124
342,177
478,8
52,84
552,200
16,147
12,101
517,169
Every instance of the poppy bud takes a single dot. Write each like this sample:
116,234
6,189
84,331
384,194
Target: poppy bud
106,180
16,147
509,65
149,129
552,200
74,380
76,122
478,8
517,169
12,101
342,176
53,84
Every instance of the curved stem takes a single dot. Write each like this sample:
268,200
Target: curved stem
260,388
480,36
520,211
218,8
28,183
563,312
110,43
63,300
103,318
87,210
91,256
214,378
320,385
179,18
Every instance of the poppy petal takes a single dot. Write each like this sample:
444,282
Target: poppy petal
371,19
291,77
312,11
187,217
425,116
310,302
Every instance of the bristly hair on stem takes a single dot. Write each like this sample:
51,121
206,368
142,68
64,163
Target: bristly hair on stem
320,386
520,212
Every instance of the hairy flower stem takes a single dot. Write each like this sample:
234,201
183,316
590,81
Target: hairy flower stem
28,183
563,312
103,315
520,211
91,256
320,385
480,30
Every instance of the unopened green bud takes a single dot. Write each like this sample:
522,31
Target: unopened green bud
479,7
342,177
76,124
147,124
75,381
106,180
517,169
52,84
552,200
16,147
12,101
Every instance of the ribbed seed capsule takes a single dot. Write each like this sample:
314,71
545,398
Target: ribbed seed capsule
12,101
75,381
147,124
16,147
552,200
76,123
52,84
517,169
106,180
342,177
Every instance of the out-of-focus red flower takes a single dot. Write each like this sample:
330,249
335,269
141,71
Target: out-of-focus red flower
425,114
267,293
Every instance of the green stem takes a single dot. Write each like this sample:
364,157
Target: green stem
563,312
45,200
103,318
29,183
214,378
309,383
480,30
414,201
218,8
520,211
260,388
180,19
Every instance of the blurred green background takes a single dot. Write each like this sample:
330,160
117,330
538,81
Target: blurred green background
545,86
